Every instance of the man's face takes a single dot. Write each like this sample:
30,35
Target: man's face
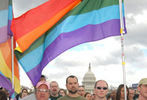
54,88
131,93
42,92
72,85
101,89
81,91
143,90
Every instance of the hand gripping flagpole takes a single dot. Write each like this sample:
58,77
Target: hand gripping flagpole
122,46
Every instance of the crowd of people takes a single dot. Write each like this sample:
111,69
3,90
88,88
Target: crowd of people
51,91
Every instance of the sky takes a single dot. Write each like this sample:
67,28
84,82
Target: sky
104,55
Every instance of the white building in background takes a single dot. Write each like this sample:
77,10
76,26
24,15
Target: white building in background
89,80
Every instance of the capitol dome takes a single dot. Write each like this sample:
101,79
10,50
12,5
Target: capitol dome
89,80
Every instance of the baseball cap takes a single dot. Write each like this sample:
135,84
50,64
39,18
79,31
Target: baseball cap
143,81
43,83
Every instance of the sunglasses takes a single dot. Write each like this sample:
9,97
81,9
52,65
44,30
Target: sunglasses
104,88
42,90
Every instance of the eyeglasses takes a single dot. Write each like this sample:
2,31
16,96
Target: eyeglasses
42,90
104,88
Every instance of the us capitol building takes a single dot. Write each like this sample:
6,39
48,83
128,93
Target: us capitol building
89,80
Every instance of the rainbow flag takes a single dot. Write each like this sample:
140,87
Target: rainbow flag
91,20
6,66
5,19
31,25
6,83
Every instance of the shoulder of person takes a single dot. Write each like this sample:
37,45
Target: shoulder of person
30,97
63,98
82,98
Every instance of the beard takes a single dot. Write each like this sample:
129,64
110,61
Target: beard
73,92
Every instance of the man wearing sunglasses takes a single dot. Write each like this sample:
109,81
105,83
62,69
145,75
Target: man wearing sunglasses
101,90
42,90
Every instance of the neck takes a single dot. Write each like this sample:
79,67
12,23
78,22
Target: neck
100,98
73,95
131,98
54,95
142,98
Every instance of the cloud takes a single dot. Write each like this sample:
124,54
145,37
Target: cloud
133,54
135,6
136,22
114,58
137,35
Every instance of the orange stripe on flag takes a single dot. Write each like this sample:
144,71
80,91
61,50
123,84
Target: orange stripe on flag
34,23
6,65
29,38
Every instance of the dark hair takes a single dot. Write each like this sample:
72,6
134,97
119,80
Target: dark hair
43,76
3,95
99,81
82,86
62,90
86,94
118,93
71,76
17,96
24,89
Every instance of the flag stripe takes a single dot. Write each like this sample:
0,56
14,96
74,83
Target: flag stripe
38,20
90,6
3,37
4,68
41,29
10,12
65,29
10,16
7,56
3,17
4,82
33,15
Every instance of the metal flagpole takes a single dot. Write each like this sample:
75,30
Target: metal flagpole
12,53
122,46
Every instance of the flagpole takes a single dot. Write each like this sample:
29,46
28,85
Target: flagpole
122,46
12,53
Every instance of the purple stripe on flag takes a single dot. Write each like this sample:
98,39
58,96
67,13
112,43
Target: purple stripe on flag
3,35
68,40
9,26
5,32
35,74
5,83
